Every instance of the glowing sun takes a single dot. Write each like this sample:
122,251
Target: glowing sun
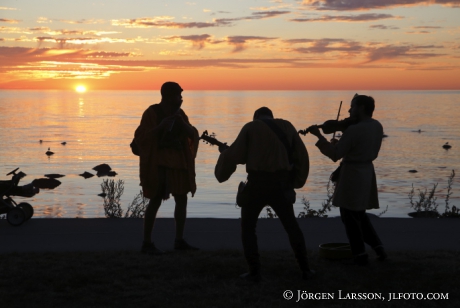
80,89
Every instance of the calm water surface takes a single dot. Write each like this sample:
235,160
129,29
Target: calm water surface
98,127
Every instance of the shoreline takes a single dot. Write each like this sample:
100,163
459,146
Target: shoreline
103,234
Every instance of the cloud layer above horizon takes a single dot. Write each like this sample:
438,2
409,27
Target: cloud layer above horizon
88,40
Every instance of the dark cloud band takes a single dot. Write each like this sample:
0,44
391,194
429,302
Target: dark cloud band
355,5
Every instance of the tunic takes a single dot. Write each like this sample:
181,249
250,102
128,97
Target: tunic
359,145
178,163
260,149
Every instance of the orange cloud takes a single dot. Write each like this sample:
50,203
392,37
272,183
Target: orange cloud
348,18
14,30
383,27
321,46
409,51
22,55
427,27
29,65
239,41
44,20
198,41
161,22
373,52
45,63
165,21
83,21
418,32
63,42
10,21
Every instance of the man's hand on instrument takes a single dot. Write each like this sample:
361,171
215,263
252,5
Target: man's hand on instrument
314,130
334,141
184,125
223,147
167,122
180,119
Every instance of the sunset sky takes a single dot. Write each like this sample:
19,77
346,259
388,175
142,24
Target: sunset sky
230,45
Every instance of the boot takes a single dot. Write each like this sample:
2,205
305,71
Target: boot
308,274
150,249
181,244
253,275
381,254
361,260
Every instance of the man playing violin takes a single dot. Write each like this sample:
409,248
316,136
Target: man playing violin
277,162
356,188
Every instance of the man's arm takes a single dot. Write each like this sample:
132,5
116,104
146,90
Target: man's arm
186,126
333,150
146,131
301,161
231,157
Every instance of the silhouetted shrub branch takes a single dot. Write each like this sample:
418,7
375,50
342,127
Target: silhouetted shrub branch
137,207
112,193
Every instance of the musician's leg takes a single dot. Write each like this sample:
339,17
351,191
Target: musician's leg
353,228
150,216
249,217
149,220
180,215
285,212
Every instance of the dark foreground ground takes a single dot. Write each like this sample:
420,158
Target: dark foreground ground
210,279
101,234
96,263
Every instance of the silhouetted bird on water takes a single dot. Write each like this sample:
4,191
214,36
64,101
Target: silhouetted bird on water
447,146
64,143
49,153
86,175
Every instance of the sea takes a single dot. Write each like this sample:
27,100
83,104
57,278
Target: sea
98,127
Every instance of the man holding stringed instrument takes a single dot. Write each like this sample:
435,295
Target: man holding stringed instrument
277,162
167,144
356,188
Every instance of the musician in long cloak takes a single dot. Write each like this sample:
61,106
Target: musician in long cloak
168,145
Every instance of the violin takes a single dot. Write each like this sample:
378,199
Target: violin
332,126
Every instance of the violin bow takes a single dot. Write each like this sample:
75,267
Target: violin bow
338,116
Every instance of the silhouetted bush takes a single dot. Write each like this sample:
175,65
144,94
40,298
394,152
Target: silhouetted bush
450,211
326,206
427,205
112,193
137,207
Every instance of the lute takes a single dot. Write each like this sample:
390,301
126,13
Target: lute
211,139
